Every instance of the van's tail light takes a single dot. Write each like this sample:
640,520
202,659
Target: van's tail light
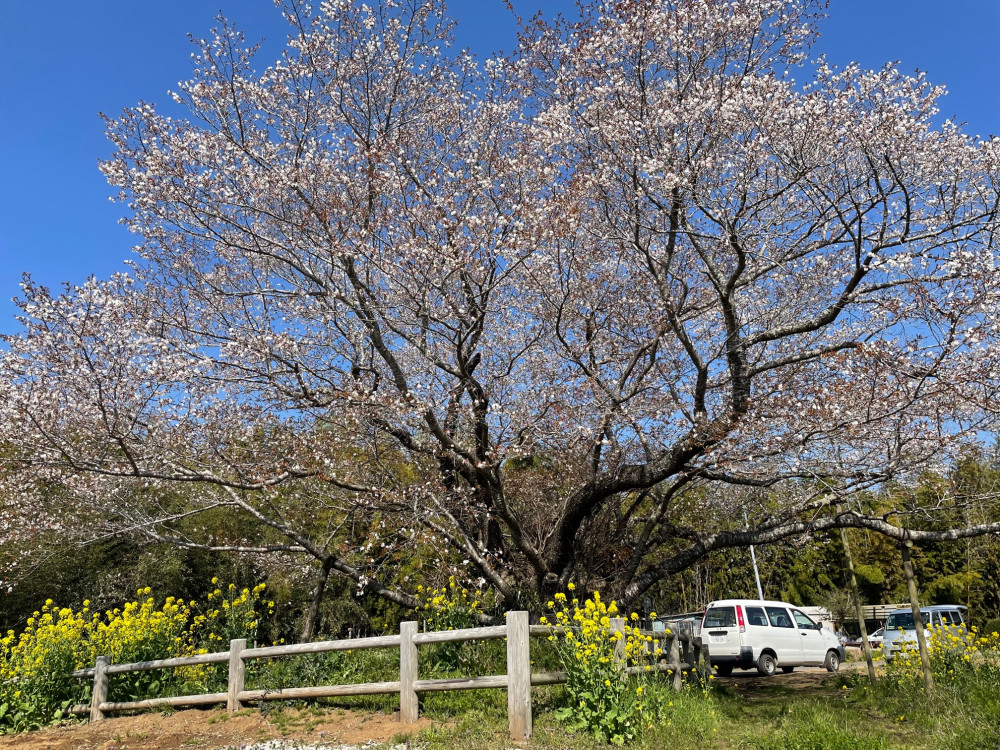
739,618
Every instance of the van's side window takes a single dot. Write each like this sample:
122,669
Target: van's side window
755,616
779,617
803,621
951,618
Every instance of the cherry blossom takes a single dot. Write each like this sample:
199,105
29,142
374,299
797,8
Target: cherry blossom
516,308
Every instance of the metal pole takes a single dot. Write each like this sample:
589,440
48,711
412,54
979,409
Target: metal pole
753,558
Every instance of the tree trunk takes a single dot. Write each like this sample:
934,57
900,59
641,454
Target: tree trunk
857,606
312,614
918,622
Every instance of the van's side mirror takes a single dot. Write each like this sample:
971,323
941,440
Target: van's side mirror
819,626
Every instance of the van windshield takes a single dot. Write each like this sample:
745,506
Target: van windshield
720,617
904,620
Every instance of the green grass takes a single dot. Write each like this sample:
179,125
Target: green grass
963,711
962,714
838,712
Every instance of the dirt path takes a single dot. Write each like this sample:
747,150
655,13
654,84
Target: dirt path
810,680
215,729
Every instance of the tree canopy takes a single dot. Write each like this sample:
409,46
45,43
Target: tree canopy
525,309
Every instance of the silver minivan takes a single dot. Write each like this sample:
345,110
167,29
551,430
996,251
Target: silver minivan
766,635
900,630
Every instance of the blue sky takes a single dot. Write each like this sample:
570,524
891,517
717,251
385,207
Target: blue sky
63,61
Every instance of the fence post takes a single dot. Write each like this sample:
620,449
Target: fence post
675,662
409,707
617,625
100,692
237,674
519,675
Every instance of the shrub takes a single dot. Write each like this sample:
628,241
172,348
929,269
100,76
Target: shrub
451,608
992,628
35,686
954,655
601,699
231,614
35,683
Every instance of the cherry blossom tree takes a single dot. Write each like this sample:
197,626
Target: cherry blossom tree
527,310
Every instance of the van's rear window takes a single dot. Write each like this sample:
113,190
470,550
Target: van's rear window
720,617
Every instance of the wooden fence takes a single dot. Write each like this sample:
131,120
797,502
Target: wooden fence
681,650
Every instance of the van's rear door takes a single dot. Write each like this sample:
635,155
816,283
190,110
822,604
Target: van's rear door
720,631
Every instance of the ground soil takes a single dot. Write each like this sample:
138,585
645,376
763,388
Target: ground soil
215,729
812,680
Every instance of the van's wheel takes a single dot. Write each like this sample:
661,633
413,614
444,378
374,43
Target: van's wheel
832,662
787,670
724,670
766,664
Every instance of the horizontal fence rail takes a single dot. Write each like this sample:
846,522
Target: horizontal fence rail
320,647
143,666
326,691
681,651
462,634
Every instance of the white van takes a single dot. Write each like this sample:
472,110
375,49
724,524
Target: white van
899,629
748,633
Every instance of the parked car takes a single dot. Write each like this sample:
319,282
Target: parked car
766,635
899,627
875,639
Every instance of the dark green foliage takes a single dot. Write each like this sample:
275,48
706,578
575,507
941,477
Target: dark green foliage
109,573
871,581
811,571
